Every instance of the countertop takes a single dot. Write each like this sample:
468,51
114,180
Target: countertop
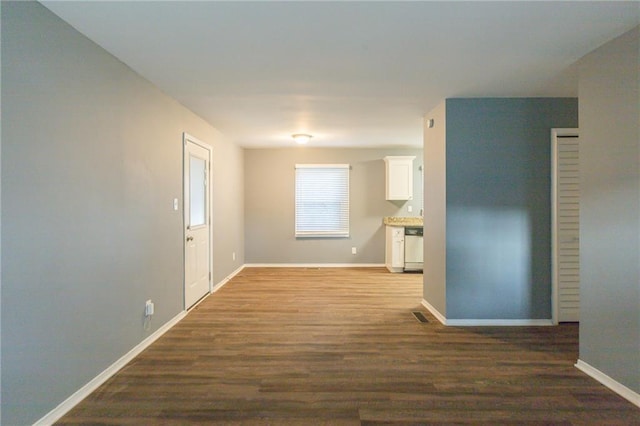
403,221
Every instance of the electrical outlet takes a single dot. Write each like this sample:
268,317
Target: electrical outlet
354,250
410,209
148,308
233,255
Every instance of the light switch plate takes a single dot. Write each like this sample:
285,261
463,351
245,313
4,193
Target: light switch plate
149,308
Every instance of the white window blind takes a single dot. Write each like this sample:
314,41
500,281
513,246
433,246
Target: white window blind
322,200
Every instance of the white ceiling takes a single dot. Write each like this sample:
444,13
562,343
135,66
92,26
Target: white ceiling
350,73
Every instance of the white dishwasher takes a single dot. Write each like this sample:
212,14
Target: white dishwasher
413,248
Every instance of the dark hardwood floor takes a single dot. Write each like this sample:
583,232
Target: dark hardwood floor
341,347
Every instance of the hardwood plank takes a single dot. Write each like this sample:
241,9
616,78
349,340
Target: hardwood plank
335,346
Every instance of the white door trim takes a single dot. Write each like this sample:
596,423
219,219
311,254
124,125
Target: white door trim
555,134
186,137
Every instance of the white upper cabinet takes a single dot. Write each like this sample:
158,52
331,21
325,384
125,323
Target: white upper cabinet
399,177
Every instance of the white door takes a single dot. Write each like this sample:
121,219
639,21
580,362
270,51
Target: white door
566,224
197,232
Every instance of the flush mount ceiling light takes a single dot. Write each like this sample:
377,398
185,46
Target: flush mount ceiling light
301,138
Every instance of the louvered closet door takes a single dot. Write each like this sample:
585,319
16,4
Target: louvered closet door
568,204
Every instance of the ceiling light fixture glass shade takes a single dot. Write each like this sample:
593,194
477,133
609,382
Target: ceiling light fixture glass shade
301,138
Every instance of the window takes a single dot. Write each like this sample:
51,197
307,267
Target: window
197,191
322,200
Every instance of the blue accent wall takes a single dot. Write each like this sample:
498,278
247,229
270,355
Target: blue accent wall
498,176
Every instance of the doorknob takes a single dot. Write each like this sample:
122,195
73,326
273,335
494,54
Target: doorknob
189,238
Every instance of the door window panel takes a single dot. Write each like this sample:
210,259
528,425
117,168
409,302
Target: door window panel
197,191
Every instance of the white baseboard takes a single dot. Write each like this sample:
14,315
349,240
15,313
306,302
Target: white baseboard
434,312
485,322
612,384
65,406
227,279
499,322
314,265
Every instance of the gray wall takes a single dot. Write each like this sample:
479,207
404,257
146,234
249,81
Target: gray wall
91,161
0,234
610,210
435,212
498,227
269,205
